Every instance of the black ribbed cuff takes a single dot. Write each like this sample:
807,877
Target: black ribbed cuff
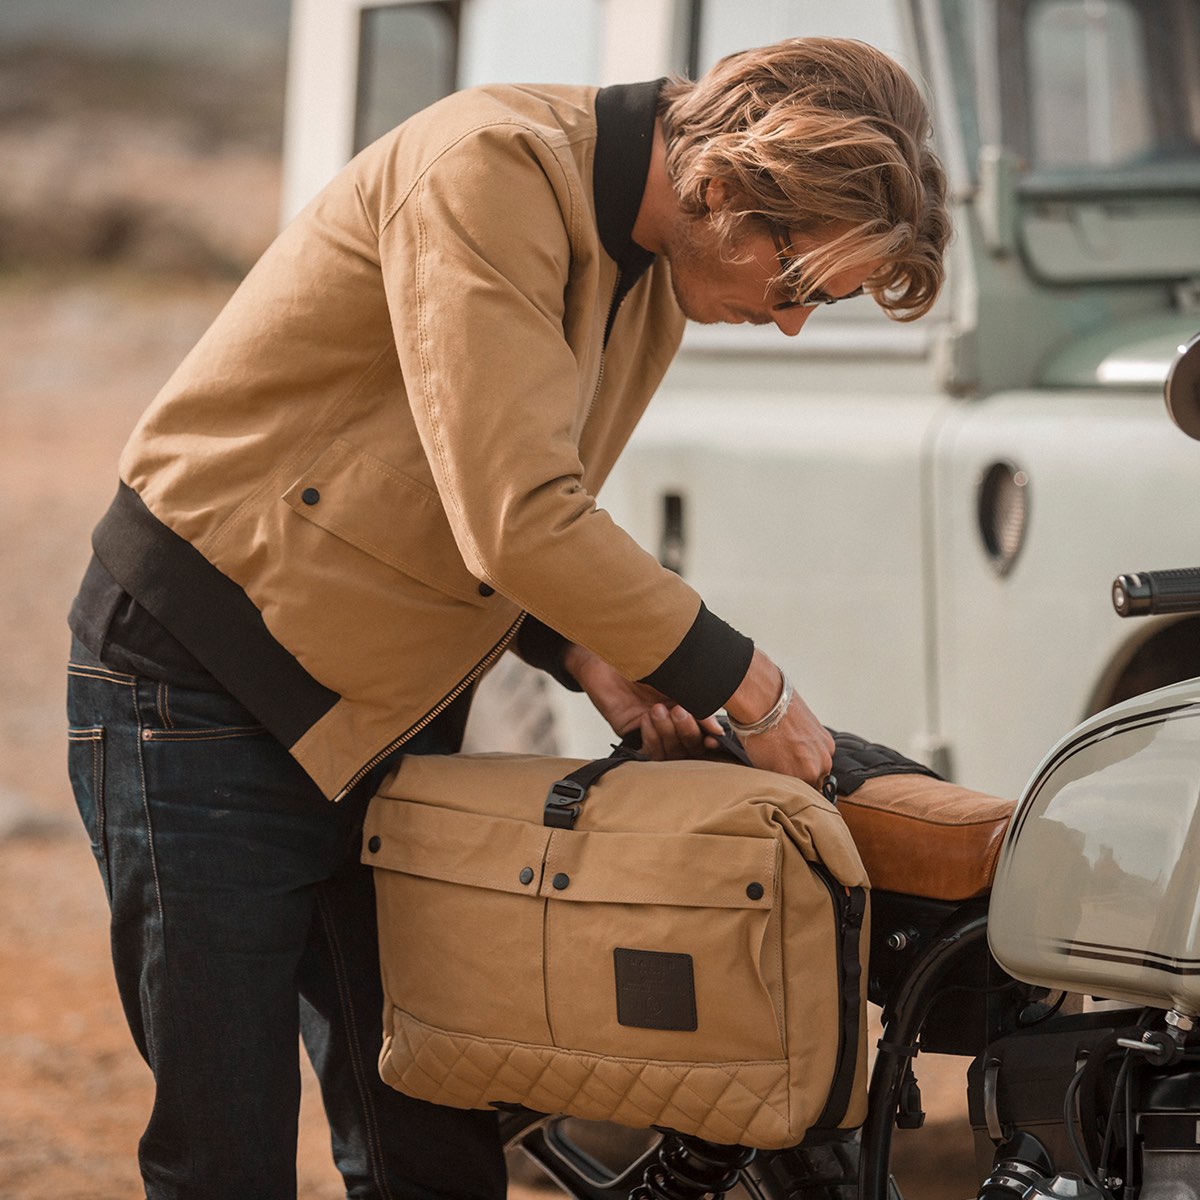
706,668
544,648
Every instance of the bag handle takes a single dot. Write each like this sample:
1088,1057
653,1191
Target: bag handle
567,794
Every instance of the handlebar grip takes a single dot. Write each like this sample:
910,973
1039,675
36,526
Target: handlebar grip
1143,593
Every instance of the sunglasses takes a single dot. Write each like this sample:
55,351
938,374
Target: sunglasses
809,299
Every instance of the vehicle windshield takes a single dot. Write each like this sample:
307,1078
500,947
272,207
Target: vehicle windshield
1090,95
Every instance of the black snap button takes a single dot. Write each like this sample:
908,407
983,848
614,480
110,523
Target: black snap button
486,589
754,891
526,875
561,881
310,495
374,844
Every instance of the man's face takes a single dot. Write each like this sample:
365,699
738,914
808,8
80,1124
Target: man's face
711,289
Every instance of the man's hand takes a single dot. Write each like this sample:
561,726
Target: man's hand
668,731
799,745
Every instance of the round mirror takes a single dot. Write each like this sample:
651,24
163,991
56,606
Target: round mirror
1183,388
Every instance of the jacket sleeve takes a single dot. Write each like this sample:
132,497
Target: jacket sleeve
476,262
544,648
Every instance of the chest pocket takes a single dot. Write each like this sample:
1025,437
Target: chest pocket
384,513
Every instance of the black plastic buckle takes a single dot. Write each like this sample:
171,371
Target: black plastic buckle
562,804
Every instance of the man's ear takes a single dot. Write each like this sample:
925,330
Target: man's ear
716,195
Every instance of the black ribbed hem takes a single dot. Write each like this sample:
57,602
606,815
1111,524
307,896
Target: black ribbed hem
125,637
707,667
210,615
543,647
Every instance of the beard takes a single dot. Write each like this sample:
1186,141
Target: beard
700,261
691,250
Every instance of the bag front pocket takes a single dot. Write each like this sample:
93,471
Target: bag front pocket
664,946
460,918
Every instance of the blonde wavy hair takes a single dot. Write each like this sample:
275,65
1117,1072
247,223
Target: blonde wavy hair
816,136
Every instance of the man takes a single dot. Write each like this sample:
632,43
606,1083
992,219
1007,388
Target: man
373,475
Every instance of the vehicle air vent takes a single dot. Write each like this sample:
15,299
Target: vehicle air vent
1003,513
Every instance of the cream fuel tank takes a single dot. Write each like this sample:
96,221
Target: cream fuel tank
1097,888
1098,885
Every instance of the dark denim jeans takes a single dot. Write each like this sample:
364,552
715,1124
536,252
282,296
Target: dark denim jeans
242,918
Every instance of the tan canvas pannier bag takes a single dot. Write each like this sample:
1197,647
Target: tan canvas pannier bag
679,944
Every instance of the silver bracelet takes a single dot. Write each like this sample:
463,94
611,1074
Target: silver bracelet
768,722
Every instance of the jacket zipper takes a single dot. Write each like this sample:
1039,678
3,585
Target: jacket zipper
608,324
612,313
440,707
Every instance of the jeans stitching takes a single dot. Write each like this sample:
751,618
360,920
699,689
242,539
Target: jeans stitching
162,703
162,920
95,735
83,671
202,735
158,903
370,1121
98,801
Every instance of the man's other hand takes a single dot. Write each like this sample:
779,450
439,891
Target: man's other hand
667,729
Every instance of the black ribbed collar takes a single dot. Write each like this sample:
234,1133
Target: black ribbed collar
625,115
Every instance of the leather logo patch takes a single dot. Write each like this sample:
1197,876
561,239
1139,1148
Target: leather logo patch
655,990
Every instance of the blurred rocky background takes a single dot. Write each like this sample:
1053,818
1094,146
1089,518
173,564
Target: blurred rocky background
144,140
139,179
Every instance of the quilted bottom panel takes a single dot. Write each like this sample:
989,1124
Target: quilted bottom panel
742,1103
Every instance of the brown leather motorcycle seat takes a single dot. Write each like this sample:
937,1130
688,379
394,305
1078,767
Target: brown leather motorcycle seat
924,837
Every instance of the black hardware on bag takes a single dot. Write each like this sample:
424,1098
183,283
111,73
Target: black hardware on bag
568,794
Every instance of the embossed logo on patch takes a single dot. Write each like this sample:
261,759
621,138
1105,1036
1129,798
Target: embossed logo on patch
655,990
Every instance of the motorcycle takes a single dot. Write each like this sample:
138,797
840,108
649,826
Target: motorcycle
1096,894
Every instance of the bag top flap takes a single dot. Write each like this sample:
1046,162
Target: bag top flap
459,847
690,796
501,854
689,870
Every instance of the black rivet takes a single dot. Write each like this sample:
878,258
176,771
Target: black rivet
561,881
486,589
754,891
310,495
526,875
374,844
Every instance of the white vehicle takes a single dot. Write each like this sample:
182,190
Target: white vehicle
919,521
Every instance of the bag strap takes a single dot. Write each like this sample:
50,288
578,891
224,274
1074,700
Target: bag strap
728,743
851,904
567,794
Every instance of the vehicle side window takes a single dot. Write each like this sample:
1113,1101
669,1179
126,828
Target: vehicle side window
408,58
1089,95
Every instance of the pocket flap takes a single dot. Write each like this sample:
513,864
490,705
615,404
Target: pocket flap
381,511
454,846
689,870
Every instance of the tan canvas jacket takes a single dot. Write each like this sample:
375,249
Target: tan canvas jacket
386,449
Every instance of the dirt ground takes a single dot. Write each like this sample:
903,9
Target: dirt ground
80,356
